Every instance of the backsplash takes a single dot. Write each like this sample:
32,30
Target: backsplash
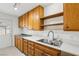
66,36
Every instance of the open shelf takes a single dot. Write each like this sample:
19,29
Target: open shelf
52,16
52,24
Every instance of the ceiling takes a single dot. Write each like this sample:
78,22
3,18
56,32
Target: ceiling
23,7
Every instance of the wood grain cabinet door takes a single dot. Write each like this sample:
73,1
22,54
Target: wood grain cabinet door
19,43
71,16
26,16
21,21
38,13
31,18
30,48
25,46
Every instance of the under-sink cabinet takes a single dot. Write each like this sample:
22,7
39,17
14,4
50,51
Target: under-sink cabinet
31,48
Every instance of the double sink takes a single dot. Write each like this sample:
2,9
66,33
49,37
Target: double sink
54,42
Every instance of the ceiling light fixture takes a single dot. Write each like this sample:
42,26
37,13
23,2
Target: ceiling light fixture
16,6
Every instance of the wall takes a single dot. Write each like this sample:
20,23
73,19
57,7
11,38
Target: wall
50,10
67,36
12,27
53,9
70,37
54,21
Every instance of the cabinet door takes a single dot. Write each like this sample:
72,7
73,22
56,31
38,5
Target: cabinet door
30,48
71,16
19,44
26,20
31,18
25,46
38,52
21,21
38,13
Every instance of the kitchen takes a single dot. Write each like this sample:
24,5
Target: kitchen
44,29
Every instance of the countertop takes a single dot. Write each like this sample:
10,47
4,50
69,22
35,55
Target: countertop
69,48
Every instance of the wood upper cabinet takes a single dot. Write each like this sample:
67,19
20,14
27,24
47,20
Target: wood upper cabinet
34,18
31,18
38,13
26,15
21,21
71,16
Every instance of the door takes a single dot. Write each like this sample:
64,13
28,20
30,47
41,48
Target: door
5,39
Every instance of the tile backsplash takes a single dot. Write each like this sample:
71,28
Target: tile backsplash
66,36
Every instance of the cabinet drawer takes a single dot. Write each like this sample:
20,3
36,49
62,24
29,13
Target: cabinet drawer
48,50
25,44
39,46
38,52
25,51
30,43
25,41
30,47
25,47
30,52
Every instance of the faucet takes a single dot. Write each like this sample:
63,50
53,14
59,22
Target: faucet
52,33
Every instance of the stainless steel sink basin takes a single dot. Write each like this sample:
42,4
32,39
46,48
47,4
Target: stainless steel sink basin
54,43
25,35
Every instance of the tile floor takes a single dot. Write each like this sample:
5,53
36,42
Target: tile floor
10,51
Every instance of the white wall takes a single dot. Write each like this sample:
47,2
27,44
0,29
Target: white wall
50,10
53,9
12,25
67,36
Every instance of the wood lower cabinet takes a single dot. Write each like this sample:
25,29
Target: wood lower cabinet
25,46
71,16
34,49
47,50
38,52
30,48
19,43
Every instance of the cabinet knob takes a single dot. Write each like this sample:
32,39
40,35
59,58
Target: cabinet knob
67,26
